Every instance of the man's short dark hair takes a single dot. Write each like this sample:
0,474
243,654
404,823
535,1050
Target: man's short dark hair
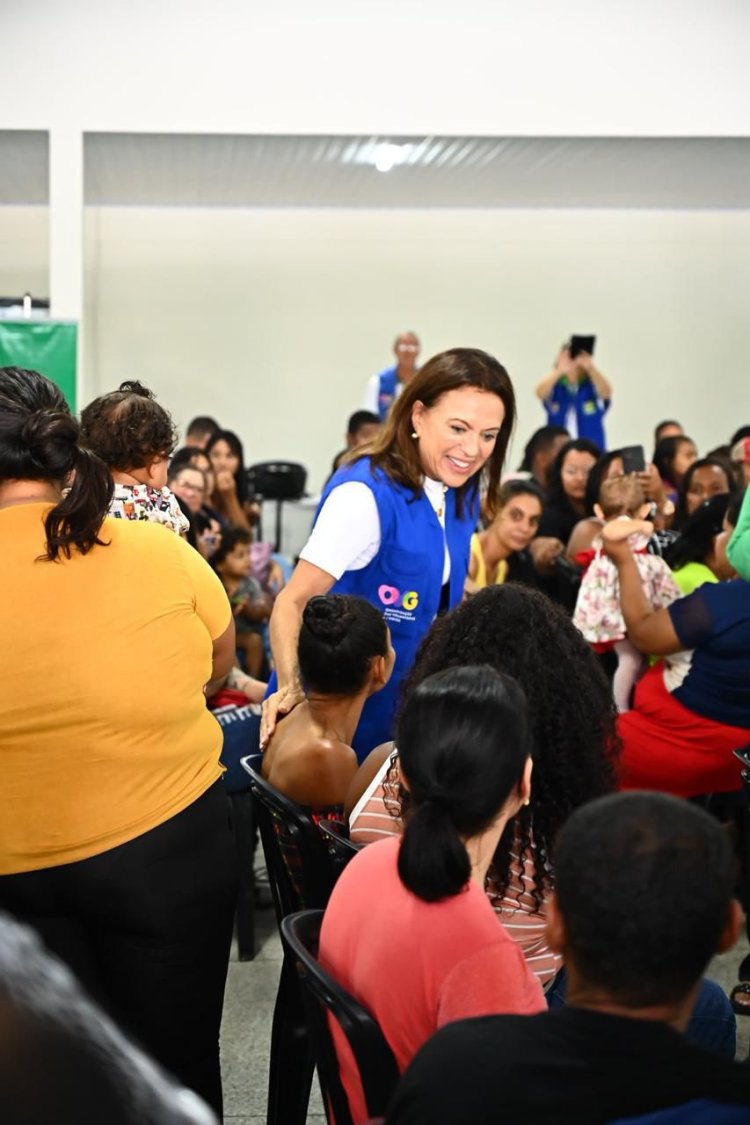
203,426
184,456
359,419
644,883
176,467
662,426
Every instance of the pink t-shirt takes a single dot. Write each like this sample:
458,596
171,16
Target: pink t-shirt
417,965
373,818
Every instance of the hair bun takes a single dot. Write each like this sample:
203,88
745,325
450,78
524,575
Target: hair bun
46,428
133,387
327,617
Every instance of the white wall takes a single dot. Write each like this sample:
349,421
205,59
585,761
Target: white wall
273,320
24,234
496,67
254,311
249,314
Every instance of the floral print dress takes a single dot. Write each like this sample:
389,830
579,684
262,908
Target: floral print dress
598,614
157,505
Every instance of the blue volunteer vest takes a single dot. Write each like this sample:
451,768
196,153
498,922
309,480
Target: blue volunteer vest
589,408
387,383
404,580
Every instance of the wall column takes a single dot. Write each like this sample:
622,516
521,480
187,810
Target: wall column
66,234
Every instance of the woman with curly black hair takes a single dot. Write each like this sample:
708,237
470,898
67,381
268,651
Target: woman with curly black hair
518,631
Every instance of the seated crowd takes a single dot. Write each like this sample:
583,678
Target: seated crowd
507,883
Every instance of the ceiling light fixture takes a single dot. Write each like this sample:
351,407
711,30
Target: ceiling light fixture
387,156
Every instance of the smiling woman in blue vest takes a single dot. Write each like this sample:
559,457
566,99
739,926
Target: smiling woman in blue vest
394,524
576,395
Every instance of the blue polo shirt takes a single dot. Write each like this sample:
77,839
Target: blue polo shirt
387,388
578,407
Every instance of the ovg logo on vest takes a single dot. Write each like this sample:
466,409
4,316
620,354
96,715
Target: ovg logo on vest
398,606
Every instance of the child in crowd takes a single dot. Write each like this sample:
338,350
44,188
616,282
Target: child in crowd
250,605
598,614
134,436
265,568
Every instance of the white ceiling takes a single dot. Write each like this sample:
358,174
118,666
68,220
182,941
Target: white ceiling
309,171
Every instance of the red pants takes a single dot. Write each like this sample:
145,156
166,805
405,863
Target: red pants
673,750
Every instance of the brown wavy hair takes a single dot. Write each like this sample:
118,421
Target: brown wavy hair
395,451
127,428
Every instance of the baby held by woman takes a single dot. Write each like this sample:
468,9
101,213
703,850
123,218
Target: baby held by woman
598,614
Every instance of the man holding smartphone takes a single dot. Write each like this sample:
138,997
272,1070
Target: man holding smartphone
575,394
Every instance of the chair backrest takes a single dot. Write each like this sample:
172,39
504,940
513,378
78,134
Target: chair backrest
377,1066
300,870
277,480
336,838
743,755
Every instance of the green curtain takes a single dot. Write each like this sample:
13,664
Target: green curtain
46,346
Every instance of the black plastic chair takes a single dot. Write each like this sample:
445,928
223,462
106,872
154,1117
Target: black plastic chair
743,757
291,841
299,867
742,834
377,1066
279,481
336,838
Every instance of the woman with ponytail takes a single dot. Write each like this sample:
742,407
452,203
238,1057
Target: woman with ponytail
114,843
409,930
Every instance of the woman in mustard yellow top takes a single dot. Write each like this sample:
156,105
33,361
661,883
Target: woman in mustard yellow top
114,841
494,550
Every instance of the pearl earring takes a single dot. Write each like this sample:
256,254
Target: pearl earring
414,434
